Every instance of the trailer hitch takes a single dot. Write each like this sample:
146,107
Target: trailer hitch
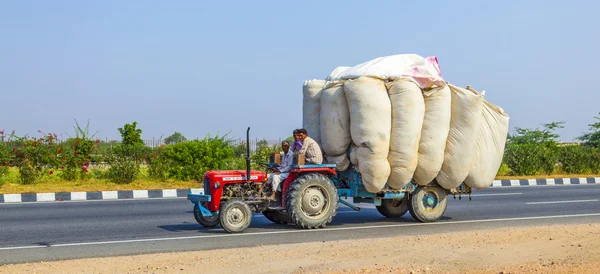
349,205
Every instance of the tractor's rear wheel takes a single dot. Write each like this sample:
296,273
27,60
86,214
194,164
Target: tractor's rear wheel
311,201
211,221
393,208
428,203
235,216
277,216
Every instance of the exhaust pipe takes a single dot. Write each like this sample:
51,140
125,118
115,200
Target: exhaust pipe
248,155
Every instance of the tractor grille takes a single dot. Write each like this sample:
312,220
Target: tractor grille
206,186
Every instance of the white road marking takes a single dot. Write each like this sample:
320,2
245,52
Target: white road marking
562,202
496,194
308,231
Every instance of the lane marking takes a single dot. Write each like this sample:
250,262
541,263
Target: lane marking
496,194
309,231
562,202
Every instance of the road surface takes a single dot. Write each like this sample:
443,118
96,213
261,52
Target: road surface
32,232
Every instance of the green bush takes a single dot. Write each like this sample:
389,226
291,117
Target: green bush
594,162
158,165
574,159
530,159
548,154
263,153
190,160
522,159
125,161
577,159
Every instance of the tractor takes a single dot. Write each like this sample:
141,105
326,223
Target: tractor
308,198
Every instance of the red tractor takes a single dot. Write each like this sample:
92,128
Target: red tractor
308,198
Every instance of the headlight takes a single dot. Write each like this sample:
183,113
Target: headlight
217,185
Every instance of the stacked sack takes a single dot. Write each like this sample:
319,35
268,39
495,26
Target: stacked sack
396,120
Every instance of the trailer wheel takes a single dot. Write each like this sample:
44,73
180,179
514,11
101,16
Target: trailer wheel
393,208
428,203
205,221
276,216
311,201
235,216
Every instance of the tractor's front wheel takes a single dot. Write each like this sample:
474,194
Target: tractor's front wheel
428,203
312,201
235,216
211,221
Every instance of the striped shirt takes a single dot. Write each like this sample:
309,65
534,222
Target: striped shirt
312,152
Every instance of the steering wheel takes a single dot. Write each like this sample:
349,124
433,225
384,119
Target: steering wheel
268,166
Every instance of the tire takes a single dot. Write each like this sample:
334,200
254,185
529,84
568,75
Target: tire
235,216
393,208
428,203
277,216
312,201
205,221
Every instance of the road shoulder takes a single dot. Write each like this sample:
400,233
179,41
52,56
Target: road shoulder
539,249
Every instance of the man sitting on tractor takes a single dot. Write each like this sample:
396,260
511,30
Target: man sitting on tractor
281,172
311,150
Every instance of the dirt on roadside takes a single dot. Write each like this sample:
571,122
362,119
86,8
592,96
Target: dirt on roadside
542,249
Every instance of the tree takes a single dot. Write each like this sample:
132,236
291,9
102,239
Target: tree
175,138
131,135
545,135
592,138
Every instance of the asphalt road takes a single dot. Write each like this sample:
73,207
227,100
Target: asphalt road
66,230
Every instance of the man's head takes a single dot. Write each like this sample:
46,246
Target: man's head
285,145
302,133
297,135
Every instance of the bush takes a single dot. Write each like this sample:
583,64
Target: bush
594,162
577,159
530,159
521,159
125,158
263,154
190,160
124,161
574,159
34,157
158,165
548,154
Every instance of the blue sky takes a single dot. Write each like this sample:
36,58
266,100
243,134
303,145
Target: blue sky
203,67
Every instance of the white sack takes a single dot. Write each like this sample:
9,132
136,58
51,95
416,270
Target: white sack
436,125
335,121
408,110
341,161
423,71
370,125
489,151
465,121
311,108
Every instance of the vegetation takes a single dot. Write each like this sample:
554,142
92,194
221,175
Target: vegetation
83,162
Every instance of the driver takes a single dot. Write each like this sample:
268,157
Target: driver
281,172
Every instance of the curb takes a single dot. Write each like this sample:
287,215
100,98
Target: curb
546,182
97,195
182,193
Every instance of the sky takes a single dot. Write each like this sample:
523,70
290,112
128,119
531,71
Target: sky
200,67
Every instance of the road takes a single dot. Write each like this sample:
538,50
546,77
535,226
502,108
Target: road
66,230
